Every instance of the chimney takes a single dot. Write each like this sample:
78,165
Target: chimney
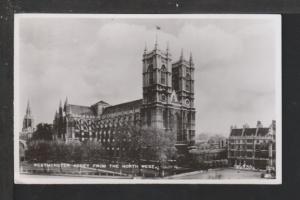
259,124
273,125
245,126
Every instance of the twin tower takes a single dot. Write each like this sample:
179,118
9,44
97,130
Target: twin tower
168,94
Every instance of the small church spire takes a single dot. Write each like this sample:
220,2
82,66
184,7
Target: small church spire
28,125
28,110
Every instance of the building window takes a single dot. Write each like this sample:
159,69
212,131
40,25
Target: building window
187,85
150,74
163,75
163,97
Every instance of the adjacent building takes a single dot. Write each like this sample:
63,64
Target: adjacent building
167,103
252,146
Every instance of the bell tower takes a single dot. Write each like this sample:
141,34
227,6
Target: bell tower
183,80
168,95
183,84
157,85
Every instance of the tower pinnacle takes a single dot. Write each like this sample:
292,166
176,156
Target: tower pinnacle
168,48
56,115
191,58
145,49
66,101
181,54
66,104
156,42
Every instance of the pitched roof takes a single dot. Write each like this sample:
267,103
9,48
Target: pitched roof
131,105
263,131
101,102
80,110
249,131
236,132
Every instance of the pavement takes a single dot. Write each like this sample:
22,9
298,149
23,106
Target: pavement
225,173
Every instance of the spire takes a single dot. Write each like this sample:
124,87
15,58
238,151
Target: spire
181,54
28,110
60,109
66,103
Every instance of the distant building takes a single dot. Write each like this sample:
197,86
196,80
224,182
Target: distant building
167,103
209,158
211,142
28,124
252,146
217,142
210,153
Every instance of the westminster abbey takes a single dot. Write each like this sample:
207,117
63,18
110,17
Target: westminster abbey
167,103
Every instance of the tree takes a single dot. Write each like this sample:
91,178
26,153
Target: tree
75,152
128,141
59,152
92,151
158,145
43,132
38,151
145,143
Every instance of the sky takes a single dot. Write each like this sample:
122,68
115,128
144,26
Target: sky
89,59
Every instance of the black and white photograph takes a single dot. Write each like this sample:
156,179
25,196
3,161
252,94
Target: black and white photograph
147,99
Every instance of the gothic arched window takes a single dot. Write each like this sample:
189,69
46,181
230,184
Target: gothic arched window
188,76
150,74
165,118
163,75
187,82
187,85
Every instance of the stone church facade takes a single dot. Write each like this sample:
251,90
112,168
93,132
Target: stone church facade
167,103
